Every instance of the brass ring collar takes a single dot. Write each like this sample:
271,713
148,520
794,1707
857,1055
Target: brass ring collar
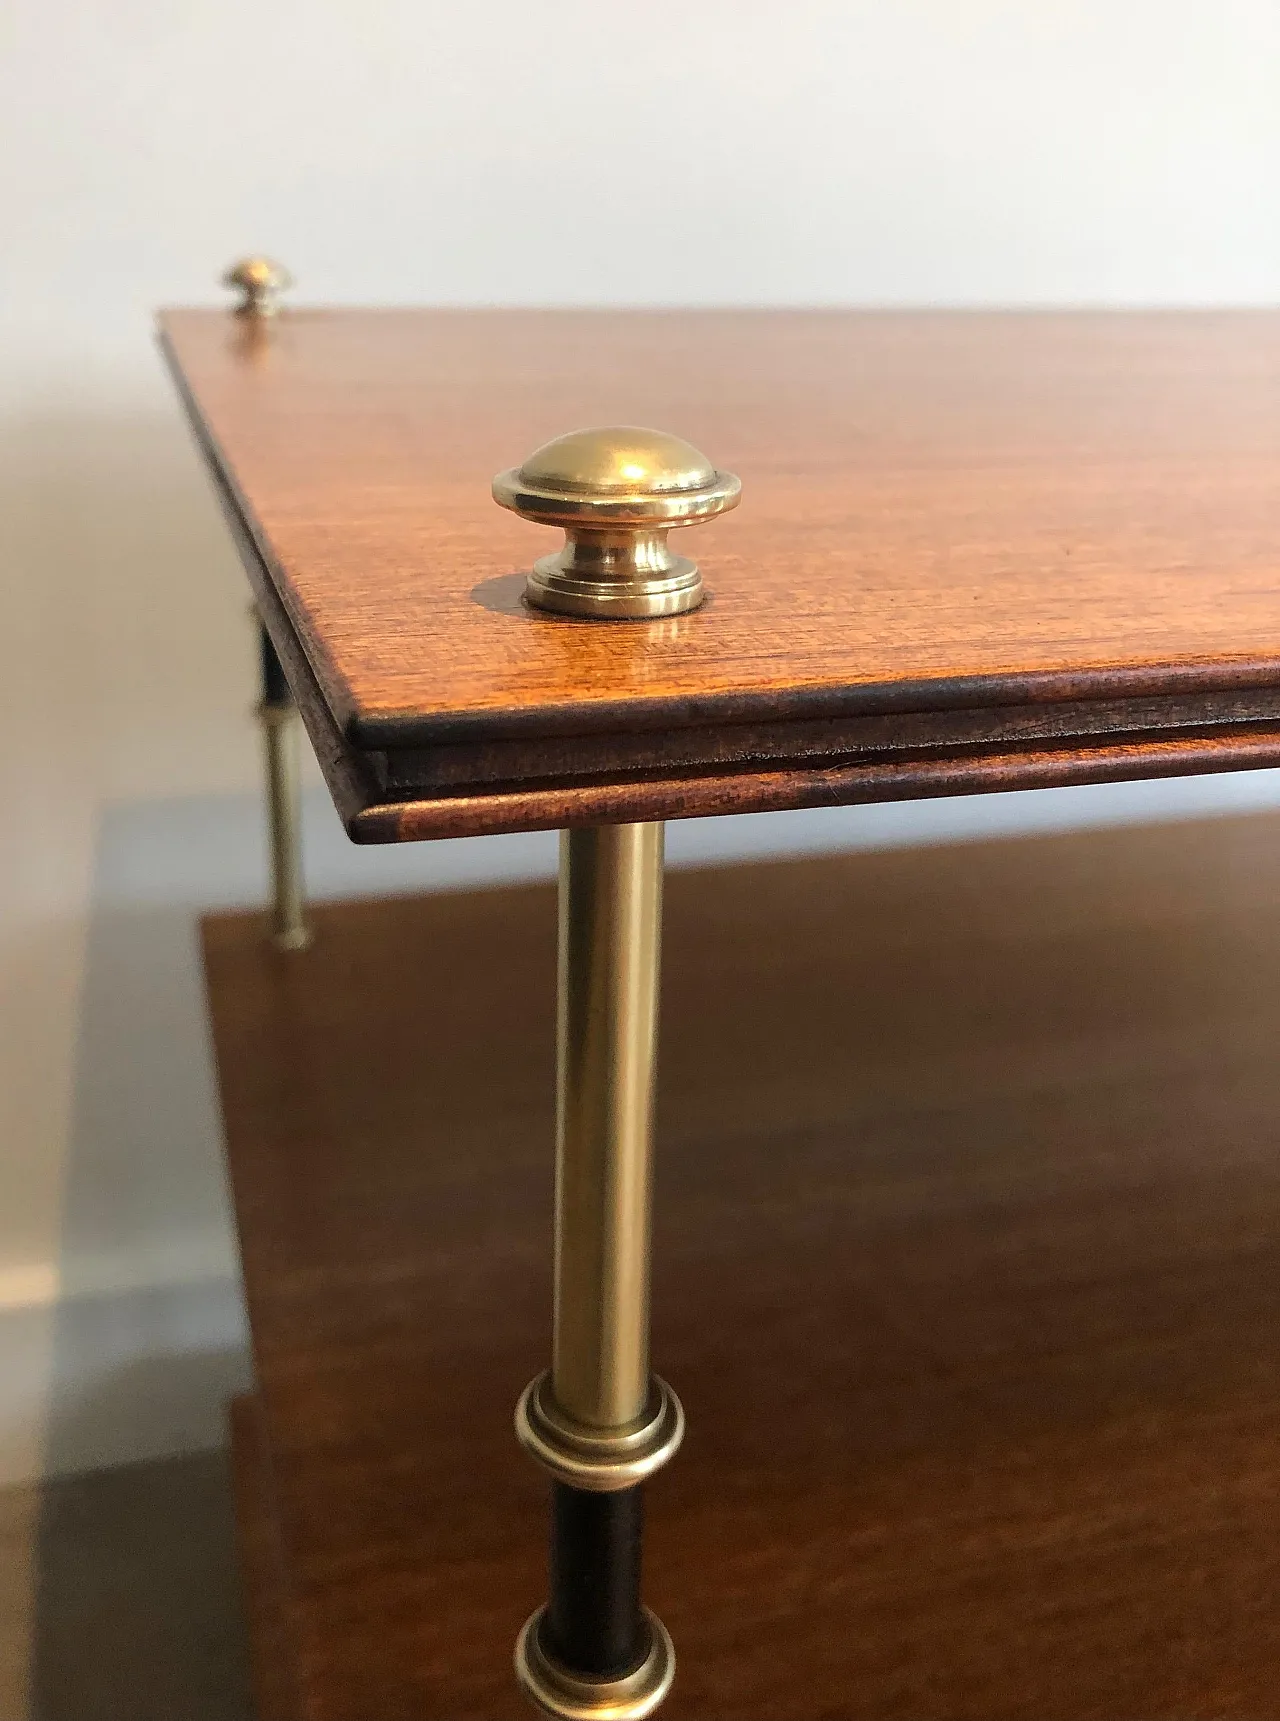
571,1696
599,1460
562,505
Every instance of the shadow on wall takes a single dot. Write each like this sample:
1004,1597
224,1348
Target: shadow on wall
147,1337
146,1340
126,629
128,608
136,1611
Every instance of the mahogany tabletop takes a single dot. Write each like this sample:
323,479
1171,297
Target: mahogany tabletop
974,551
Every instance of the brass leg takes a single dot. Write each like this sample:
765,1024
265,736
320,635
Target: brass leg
598,1421
279,719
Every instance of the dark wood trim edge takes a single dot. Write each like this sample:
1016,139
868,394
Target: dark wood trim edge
780,791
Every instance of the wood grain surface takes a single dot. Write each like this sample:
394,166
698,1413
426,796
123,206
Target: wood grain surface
967,1271
962,536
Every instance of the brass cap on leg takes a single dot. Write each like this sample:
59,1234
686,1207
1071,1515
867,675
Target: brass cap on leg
617,492
569,1696
599,1460
261,283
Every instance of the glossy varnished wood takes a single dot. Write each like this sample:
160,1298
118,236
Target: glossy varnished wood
973,550
967,1272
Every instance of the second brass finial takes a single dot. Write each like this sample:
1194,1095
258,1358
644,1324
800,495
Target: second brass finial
260,282
617,492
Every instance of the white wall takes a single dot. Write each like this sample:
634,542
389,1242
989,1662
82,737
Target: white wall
706,151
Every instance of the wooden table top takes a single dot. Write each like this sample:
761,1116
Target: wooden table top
974,551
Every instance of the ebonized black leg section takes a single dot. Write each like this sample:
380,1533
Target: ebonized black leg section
275,687
594,1623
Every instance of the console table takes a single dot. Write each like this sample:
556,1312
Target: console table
973,553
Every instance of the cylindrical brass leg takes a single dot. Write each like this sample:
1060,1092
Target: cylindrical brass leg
598,1421
610,934
279,718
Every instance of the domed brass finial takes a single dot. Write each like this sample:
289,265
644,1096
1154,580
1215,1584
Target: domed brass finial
617,492
261,282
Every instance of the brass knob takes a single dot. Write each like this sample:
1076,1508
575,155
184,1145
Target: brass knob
261,282
617,492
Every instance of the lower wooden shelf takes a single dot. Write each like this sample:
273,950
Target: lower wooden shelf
968,1273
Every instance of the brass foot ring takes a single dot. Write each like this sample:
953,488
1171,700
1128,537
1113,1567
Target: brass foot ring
295,938
552,587
600,1460
570,1696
